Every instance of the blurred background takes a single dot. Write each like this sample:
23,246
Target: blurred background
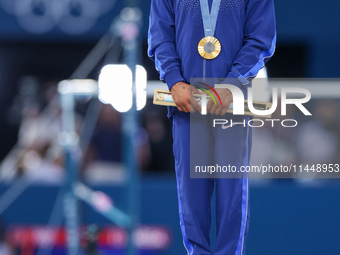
42,42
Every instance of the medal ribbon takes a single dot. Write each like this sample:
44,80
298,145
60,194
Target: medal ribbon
209,19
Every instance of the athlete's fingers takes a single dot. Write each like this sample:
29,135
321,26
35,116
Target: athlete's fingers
224,111
193,102
181,106
192,109
188,104
210,104
194,105
185,106
178,105
218,110
213,109
225,107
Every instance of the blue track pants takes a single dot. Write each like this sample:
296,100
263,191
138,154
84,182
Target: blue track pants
229,146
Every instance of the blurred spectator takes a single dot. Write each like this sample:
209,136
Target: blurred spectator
104,157
262,138
39,136
284,151
91,240
160,142
37,155
317,141
262,151
5,248
274,145
106,143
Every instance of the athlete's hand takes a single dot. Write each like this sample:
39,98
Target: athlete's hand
182,93
226,98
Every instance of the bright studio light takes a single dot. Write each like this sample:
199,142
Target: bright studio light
141,81
115,87
115,84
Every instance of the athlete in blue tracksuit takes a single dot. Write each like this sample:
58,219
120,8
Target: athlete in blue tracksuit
246,32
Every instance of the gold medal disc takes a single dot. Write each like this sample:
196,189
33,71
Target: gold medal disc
209,47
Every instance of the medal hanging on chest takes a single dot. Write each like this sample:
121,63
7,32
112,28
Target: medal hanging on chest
209,47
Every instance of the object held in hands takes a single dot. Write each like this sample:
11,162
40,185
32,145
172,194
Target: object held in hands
163,97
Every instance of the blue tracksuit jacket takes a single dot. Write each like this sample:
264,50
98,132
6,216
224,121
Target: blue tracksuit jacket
245,28
246,31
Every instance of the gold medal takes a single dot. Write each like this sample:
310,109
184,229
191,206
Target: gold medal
209,47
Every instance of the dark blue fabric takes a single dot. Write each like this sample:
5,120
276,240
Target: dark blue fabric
212,146
245,29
